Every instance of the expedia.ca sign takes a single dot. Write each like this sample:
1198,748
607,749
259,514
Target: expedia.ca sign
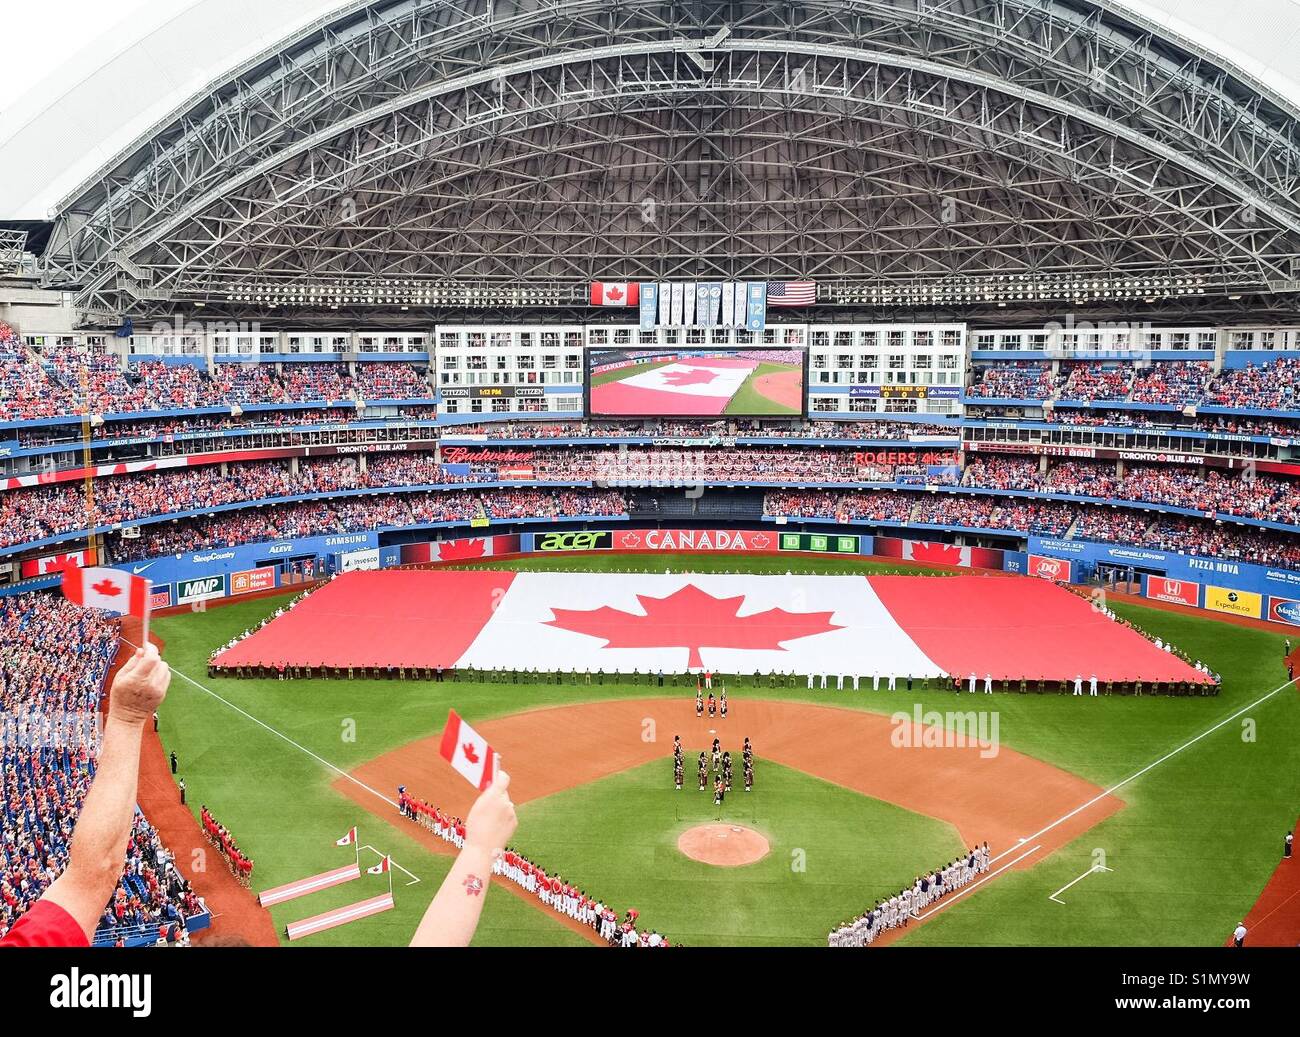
577,540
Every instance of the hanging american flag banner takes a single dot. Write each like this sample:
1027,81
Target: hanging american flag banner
791,293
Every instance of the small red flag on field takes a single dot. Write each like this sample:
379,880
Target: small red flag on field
468,752
380,868
111,589
348,839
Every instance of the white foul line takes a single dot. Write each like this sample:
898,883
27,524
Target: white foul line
1095,867
1133,777
244,713
414,877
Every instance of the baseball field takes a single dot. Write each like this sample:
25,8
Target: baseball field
1182,800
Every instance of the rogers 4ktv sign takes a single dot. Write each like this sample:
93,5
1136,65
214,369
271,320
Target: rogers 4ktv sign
1058,569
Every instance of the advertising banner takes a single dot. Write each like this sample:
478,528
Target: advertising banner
160,597
251,580
694,540
1050,568
353,561
939,554
1180,592
821,543
1233,602
573,540
203,588
1284,610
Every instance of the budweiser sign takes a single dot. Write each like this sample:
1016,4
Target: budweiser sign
489,455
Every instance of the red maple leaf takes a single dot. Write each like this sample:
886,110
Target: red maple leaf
468,749
946,554
689,618
631,540
456,550
614,293
107,588
692,376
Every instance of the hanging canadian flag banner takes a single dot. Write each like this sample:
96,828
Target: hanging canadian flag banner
615,293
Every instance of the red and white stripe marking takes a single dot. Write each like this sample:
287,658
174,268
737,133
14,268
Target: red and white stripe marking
311,884
339,916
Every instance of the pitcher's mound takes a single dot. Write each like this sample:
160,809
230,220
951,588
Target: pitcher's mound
727,846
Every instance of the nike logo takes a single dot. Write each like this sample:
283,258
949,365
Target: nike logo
136,570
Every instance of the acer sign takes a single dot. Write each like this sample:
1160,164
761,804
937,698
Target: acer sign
1179,592
580,540
252,580
1057,569
690,540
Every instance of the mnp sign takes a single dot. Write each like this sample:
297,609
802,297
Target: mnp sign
202,589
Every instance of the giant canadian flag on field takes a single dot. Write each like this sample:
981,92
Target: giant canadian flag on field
109,589
727,623
468,752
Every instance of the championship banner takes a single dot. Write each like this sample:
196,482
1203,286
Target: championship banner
756,308
728,316
1178,592
688,303
675,306
1233,602
649,304
665,302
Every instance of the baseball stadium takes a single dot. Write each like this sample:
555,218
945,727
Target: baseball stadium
672,475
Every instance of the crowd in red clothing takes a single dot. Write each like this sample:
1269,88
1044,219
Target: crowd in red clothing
240,864
1090,381
53,661
665,429
1174,383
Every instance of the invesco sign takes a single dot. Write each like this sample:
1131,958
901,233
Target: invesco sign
584,540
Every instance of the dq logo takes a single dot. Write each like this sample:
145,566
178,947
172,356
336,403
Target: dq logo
1049,568
586,540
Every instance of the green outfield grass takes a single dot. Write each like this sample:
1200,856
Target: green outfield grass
1197,842
749,400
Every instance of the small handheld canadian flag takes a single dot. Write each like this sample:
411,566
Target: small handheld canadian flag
383,866
111,589
348,839
468,752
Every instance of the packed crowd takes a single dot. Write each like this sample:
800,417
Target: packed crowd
358,514
1274,386
1019,380
53,661
552,891
1263,497
239,863
897,910
1088,382
1174,383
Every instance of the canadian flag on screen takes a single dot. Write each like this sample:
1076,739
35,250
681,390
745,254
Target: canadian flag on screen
467,751
111,589
615,293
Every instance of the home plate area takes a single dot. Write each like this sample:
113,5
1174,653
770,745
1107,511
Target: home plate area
1008,628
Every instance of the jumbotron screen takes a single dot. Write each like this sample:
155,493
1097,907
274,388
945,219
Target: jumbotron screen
695,383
